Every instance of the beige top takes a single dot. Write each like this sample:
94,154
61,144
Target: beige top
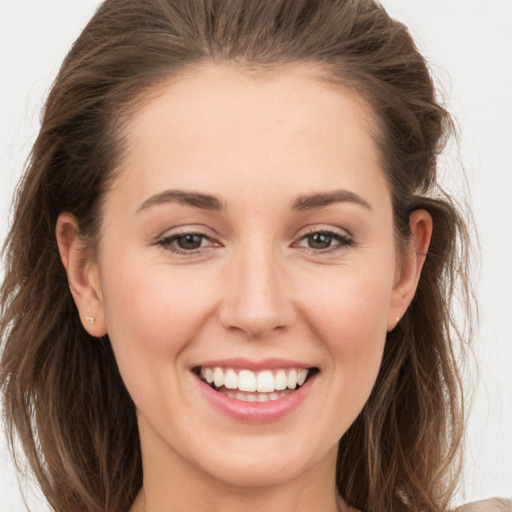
494,505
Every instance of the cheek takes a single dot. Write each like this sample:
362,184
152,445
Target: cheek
152,314
351,301
349,313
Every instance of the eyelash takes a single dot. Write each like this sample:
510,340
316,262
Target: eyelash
343,241
169,242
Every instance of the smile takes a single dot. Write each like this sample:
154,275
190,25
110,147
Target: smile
254,386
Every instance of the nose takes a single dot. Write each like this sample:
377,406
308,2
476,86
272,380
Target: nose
257,297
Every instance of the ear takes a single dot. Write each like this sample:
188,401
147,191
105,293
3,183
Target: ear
82,273
409,269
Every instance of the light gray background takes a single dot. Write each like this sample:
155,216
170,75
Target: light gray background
469,46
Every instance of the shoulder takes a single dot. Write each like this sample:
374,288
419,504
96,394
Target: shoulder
493,505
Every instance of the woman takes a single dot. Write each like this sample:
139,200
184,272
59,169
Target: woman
236,265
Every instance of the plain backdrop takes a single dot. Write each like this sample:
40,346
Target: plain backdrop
468,44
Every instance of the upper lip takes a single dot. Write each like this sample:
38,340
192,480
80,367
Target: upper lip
251,364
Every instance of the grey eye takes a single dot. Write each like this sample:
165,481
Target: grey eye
319,240
190,242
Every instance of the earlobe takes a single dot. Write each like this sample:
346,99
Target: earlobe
409,272
82,274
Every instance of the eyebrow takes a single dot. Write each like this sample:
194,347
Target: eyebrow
212,203
322,199
195,199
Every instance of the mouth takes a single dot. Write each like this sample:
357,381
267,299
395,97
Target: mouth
254,386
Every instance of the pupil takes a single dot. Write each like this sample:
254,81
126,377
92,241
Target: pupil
190,241
319,241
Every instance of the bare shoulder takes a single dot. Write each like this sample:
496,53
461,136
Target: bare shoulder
493,505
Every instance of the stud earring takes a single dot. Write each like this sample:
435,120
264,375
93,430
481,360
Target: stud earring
397,318
90,319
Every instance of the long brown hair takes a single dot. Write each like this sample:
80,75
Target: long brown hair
62,392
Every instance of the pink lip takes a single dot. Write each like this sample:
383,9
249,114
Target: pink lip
256,412
264,364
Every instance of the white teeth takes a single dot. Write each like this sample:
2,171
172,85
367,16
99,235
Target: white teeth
301,376
255,397
281,382
207,373
292,379
218,377
246,381
265,382
231,379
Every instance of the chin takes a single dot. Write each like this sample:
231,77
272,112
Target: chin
257,473
265,462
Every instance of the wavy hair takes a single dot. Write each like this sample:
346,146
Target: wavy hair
62,393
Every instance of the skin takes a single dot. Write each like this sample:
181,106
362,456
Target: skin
256,288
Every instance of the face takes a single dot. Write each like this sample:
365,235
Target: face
247,272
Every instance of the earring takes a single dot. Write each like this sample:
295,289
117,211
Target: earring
397,318
90,319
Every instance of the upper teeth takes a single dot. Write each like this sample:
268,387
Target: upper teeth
265,381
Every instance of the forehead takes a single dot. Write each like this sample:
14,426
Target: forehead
300,97
220,123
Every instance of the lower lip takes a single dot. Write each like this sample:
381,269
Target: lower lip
256,412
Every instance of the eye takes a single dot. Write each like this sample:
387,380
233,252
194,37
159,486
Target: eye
324,241
319,240
190,242
186,243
